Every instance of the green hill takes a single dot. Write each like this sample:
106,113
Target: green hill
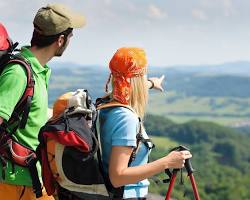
220,157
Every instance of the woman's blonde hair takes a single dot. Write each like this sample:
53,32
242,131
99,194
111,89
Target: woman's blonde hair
138,98
139,95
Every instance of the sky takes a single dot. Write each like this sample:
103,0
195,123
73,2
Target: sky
172,32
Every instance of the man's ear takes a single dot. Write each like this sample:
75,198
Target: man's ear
60,40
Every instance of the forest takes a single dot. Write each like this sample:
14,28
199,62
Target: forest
220,158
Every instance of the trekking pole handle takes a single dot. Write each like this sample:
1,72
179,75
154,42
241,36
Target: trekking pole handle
187,164
180,148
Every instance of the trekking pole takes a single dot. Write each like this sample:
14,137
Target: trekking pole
171,184
190,171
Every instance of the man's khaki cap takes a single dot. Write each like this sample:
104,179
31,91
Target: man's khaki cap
56,18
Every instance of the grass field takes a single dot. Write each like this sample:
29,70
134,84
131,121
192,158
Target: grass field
180,108
163,143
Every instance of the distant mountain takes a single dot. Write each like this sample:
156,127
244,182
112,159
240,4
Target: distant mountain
226,80
241,68
191,92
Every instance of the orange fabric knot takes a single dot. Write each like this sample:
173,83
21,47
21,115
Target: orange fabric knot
126,63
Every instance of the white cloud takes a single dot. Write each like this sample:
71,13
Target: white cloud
199,14
156,12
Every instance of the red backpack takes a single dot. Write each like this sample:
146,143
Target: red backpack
11,149
68,148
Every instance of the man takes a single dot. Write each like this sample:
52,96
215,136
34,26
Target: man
53,27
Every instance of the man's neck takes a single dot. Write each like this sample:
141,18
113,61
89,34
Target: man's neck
43,55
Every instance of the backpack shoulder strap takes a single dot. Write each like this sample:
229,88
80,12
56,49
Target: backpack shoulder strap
107,102
114,104
20,115
22,108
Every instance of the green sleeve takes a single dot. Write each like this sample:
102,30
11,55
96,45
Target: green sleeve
13,82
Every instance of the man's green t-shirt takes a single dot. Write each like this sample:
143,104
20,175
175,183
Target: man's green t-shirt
13,81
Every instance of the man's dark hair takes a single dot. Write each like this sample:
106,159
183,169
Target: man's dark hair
43,41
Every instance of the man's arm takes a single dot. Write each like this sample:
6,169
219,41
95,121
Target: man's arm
1,120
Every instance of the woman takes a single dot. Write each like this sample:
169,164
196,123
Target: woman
120,127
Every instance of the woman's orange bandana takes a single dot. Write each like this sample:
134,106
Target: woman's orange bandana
126,63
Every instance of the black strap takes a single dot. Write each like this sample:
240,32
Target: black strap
22,193
14,46
140,138
3,127
4,164
25,112
113,192
103,100
37,187
146,142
